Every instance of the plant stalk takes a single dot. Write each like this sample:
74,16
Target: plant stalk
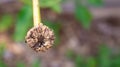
36,13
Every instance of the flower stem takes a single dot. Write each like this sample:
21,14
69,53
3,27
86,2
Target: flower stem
36,13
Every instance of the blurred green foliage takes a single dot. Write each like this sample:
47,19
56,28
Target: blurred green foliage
78,61
20,64
43,3
2,49
105,58
5,22
36,63
95,2
2,64
91,62
23,23
53,4
82,13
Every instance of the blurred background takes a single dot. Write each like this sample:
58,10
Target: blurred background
87,33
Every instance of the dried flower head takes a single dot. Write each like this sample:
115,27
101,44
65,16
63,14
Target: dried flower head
40,38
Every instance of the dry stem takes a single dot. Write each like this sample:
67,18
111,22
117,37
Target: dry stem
36,13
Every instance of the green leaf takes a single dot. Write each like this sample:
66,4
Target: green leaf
5,22
83,15
56,28
95,2
24,22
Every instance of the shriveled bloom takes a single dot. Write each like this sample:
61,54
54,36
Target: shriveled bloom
40,38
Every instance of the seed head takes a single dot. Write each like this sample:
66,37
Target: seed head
40,38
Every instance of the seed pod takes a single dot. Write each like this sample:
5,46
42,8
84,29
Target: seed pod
40,38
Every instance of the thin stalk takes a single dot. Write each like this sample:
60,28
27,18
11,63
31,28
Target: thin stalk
36,13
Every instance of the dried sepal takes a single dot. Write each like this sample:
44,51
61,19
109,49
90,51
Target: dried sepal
40,38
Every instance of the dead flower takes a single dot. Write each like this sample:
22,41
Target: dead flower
40,38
